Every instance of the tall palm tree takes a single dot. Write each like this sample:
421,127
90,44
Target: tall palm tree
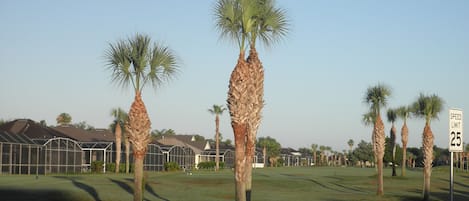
120,118
376,97
245,21
137,62
350,144
427,107
314,149
217,110
392,116
403,112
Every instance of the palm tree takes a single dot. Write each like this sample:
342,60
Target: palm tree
120,118
245,21
63,119
322,154
369,119
427,107
137,62
314,149
217,110
376,97
350,144
403,112
392,116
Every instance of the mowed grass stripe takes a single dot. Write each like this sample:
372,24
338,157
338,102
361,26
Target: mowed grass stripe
269,184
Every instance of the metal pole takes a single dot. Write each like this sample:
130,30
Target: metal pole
451,179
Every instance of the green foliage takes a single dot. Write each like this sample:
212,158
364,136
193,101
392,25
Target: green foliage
120,117
246,21
97,166
83,125
428,107
209,165
377,97
392,115
171,166
217,109
363,152
111,167
63,119
388,152
272,146
136,62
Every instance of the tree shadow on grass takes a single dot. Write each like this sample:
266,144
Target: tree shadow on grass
129,189
30,194
89,189
438,196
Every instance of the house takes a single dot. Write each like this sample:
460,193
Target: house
187,145
291,157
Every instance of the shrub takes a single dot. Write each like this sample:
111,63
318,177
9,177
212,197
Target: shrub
111,167
209,165
171,166
97,166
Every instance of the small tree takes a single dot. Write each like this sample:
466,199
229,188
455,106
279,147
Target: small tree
63,119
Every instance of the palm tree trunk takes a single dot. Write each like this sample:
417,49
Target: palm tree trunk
264,153
256,103
427,143
118,145
238,100
217,143
138,129
138,178
379,140
405,137
240,159
393,145
127,154
314,158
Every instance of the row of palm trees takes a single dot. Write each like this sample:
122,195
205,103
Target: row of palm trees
426,106
136,62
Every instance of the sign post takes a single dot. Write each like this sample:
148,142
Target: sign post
455,140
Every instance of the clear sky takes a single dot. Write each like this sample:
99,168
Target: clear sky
52,61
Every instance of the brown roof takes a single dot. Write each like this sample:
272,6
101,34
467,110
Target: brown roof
184,141
81,135
35,130
31,129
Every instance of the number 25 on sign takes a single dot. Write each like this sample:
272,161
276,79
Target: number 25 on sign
455,130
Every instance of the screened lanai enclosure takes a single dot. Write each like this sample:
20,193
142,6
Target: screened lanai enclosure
21,155
183,156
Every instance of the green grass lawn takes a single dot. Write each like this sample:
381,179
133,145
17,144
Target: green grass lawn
270,184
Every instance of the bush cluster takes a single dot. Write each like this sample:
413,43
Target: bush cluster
209,165
171,166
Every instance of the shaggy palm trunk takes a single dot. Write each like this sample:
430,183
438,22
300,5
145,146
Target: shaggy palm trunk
314,157
379,140
238,100
217,143
264,153
255,105
393,145
118,146
405,137
138,129
427,143
127,154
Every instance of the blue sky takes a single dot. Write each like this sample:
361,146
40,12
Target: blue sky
52,61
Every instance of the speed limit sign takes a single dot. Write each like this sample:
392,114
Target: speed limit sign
455,130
